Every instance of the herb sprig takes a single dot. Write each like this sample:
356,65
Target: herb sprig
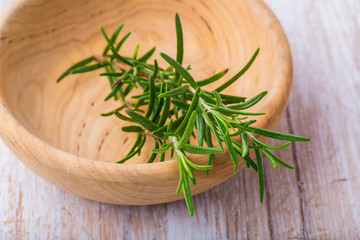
177,107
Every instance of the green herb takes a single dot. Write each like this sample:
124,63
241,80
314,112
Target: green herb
178,107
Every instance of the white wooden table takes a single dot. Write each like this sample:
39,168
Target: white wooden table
318,200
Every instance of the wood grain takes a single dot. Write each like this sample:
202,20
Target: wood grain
319,200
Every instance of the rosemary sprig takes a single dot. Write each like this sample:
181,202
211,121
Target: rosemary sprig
177,107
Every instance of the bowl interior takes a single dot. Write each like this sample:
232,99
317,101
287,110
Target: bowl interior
40,45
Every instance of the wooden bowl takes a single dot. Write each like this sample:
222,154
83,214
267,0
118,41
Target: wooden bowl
57,130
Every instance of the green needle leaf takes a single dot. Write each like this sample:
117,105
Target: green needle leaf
152,91
200,126
188,131
274,158
212,79
180,69
162,157
181,104
115,90
90,68
218,100
221,124
185,164
229,99
239,74
136,143
232,152
210,144
194,149
131,129
244,144
196,166
257,141
174,92
76,65
122,117
260,174
179,44
181,173
164,148
247,159
165,112
113,38
121,42
146,123
279,135
192,108
147,55
249,103
210,124
228,111
136,51
114,51
111,74
153,155
139,146
187,194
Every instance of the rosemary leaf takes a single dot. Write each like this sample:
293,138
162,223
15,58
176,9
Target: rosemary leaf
147,55
271,156
279,135
187,194
179,44
136,51
249,103
211,126
115,90
180,69
174,92
196,166
181,173
199,149
131,129
152,92
257,141
76,65
192,108
111,74
153,154
212,79
232,152
165,112
200,126
239,74
188,131
123,117
244,144
139,147
121,42
89,68
164,148
228,111
260,174
113,38
114,51
143,121
218,100
181,104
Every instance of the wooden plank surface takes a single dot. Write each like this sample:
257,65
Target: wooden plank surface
318,200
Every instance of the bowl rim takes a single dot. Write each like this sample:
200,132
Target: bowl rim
66,159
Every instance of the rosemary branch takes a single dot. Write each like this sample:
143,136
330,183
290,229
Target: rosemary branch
177,106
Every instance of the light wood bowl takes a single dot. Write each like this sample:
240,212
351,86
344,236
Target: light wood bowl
57,130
